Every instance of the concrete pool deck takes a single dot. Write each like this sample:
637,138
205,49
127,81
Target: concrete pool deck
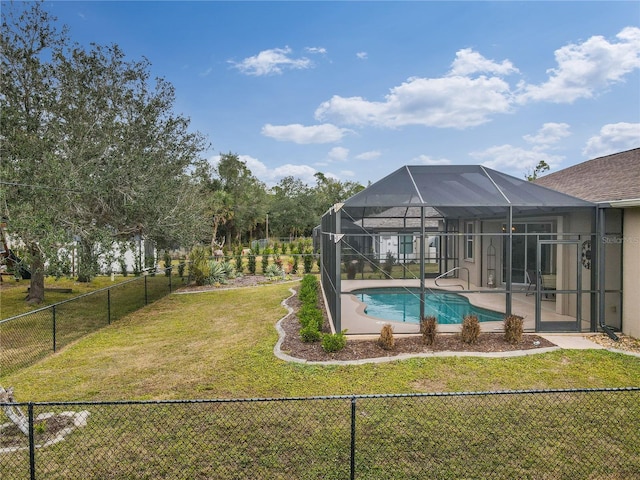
356,322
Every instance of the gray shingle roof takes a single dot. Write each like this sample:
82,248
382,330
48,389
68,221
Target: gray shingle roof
604,179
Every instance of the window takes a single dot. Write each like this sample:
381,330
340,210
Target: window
468,241
406,244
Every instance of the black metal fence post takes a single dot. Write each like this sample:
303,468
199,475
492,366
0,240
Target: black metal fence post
109,307
146,295
170,274
53,313
352,467
32,446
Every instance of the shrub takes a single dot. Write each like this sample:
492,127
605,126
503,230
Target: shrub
513,328
307,260
428,329
229,269
470,329
217,273
334,342
251,263
200,266
308,293
167,263
310,315
294,266
386,340
310,333
238,259
265,261
273,271
387,266
181,268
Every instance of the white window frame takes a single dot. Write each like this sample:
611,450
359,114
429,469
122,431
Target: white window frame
469,241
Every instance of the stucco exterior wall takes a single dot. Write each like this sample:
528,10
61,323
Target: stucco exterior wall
631,273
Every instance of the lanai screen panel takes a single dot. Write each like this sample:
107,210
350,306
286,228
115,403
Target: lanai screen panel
455,191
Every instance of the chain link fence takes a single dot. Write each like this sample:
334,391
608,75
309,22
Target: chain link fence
26,338
593,433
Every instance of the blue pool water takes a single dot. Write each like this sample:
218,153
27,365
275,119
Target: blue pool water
403,305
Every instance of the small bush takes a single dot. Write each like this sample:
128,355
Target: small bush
200,267
310,333
238,260
386,340
428,329
387,266
307,260
513,328
217,273
310,315
334,342
265,261
273,271
308,293
251,263
167,263
294,266
470,329
181,266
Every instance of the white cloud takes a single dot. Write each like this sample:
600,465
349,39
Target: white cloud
362,55
271,62
325,133
457,102
515,160
316,50
370,155
338,154
582,69
427,160
613,138
550,134
468,62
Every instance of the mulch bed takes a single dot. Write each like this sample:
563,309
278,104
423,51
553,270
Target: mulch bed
363,349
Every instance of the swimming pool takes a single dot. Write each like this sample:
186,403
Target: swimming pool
403,305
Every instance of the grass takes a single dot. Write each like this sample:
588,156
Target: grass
13,293
220,345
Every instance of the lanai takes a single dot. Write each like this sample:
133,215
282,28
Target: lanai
489,230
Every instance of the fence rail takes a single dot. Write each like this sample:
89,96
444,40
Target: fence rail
592,433
28,337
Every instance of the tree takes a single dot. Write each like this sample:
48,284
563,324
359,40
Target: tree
31,183
330,191
94,143
291,210
246,194
534,173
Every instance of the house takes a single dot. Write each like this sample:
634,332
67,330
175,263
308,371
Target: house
502,242
613,183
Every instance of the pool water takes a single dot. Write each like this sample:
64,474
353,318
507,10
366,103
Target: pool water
403,305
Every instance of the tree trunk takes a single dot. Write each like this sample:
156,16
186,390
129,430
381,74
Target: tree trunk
86,261
36,285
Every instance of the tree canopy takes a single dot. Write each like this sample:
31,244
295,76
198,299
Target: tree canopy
91,147
93,153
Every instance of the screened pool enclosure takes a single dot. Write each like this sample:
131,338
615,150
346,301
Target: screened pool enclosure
504,243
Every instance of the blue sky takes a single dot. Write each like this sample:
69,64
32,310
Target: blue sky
358,89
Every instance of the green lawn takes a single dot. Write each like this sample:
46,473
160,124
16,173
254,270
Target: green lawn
220,345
